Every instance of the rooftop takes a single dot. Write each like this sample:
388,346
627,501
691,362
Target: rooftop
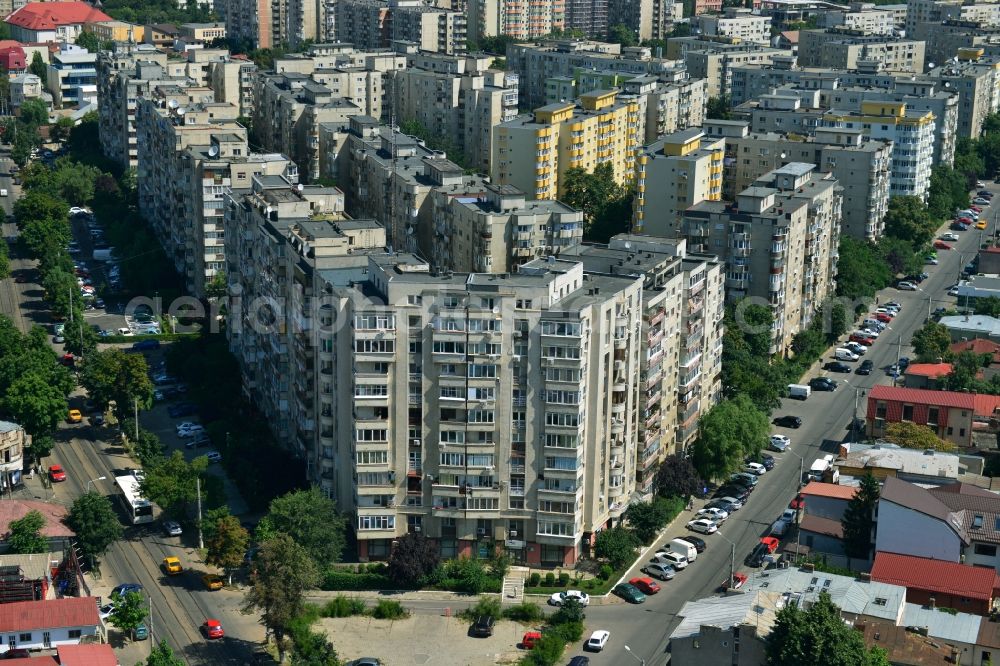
818,525
758,609
851,595
978,324
49,614
921,396
945,466
918,499
97,654
921,573
11,510
50,15
929,370
832,490
978,346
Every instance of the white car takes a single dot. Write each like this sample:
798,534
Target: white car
713,514
931,261
754,468
953,291
104,612
981,201
127,332
870,332
949,236
216,457
597,640
703,525
906,286
676,560
732,501
559,598
76,210
188,429
856,348
780,442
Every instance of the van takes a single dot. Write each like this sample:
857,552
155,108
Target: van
799,391
684,548
819,466
3,192
842,354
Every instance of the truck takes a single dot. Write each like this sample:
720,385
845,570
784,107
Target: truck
819,467
785,522
104,255
799,391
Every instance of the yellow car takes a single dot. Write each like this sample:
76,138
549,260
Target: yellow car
212,582
981,224
172,565
74,416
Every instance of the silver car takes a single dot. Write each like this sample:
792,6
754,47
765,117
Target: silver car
172,528
661,571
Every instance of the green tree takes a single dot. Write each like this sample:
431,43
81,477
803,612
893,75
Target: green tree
61,130
621,34
38,67
616,545
284,571
217,286
172,482
37,205
33,112
677,477
113,375
162,655
719,108
988,306
931,342
839,321
965,368
89,41
4,262
227,546
817,636
95,523
41,446
859,518
914,436
129,612
907,219
413,558
62,292
25,535
647,519
947,191
35,403
730,431
605,203
312,521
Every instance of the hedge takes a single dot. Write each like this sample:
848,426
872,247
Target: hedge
336,580
162,337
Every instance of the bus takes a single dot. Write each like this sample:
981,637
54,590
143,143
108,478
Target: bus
137,508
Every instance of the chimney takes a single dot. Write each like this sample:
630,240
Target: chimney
932,602
864,577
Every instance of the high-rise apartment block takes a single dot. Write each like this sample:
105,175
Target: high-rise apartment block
842,48
672,174
189,155
536,63
392,378
377,24
270,23
737,23
923,16
648,19
520,19
713,59
534,152
862,16
860,164
458,98
976,77
779,240
588,16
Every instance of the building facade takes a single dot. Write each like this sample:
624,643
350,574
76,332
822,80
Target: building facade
72,77
840,48
518,18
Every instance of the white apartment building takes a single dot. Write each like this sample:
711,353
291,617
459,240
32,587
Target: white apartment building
861,16
72,77
738,23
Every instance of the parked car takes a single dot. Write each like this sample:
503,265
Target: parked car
837,366
559,598
125,588
754,468
728,504
172,528
645,585
629,593
676,560
865,368
483,626
779,443
597,640
660,571
734,492
56,473
948,236
698,543
904,285
941,245
713,513
214,457
767,461
788,421
822,384
981,201
738,581
958,226
703,525
745,479
212,582
756,556
862,340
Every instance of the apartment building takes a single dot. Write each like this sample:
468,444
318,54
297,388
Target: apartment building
669,107
518,18
201,33
923,16
262,23
27,86
377,24
233,82
681,360
843,48
713,59
588,16
116,31
189,155
13,440
72,77
35,22
795,213
535,63
976,77
860,164
648,19
533,152
458,98
912,136
672,174
737,23
861,16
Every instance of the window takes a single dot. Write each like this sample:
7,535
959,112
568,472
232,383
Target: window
452,459
561,328
880,601
986,550
932,415
977,522
480,460
376,522
560,462
480,416
75,633
483,504
482,371
569,420
552,528
561,441
372,457
24,638
374,346
452,437
907,412
371,435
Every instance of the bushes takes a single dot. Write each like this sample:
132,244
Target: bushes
550,579
563,579
605,572
341,606
485,606
535,579
342,580
524,612
388,609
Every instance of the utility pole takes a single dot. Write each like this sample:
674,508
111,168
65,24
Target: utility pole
135,404
71,305
201,539
899,345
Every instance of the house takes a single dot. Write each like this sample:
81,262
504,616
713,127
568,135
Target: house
980,512
55,530
948,413
161,34
37,625
978,346
52,21
92,654
886,459
925,375
819,528
72,76
13,60
725,630
969,326
965,588
789,39
905,647
28,86
912,521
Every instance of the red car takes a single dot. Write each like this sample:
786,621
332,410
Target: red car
976,208
739,580
771,543
646,585
862,340
56,473
941,245
883,317
797,503
213,629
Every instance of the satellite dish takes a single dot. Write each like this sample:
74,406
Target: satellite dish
173,104
181,111
930,65
213,150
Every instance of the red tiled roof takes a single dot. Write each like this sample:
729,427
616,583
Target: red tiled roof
922,396
791,35
96,654
931,370
7,43
833,490
50,15
921,573
11,510
31,661
49,614
977,346
986,404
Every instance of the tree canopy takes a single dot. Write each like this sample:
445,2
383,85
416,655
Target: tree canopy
172,482
617,545
312,521
25,535
606,205
413,558
115,376
226,546
677,477
931,342
95,523
915,436
859,518
818,636
730,431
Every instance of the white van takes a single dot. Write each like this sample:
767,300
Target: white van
819,466
843,354
684,548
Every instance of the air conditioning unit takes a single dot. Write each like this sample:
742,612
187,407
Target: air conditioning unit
513,533
416,528
414,442
518,334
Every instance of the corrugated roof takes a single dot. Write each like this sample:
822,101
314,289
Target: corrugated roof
832,490
96,654
871,598
49,614
931,370
906,461
50,15
921,573
986,405
922,396
980,509
961,627
904,647
758,609
977,346
818,525
910,496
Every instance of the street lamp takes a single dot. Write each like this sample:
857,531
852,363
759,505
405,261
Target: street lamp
100,478
732,557
635,656
801,463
